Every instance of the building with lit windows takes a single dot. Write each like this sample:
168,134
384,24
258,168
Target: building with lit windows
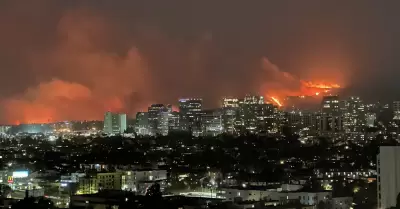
154,112
211,121
100,181
190,111
396,110
255,116
142,123
230,107
354,117
114,123
331,117
139,180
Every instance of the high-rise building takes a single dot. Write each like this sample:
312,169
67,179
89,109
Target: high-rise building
211,121
164,120
230,102
159,118
142,123
354,117
114,123
331,117
154,111
173,124
330,105
230,107
388,167
255,116
396,110
370,119
190,111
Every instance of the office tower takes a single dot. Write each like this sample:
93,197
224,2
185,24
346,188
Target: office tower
153,112
159,118
353,111
267,118
396,110
163,120
114,123
190,115
230,102
142,123
254,116
173,122
330,105
230,107
211,121
370,119
331,117
388,167
294,119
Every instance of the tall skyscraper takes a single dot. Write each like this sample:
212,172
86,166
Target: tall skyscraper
354,114
230,107
173,122
159,118
396,110
254,116
331,117
211,121
163,120
388,167
190,111
142,123
370,119
114,123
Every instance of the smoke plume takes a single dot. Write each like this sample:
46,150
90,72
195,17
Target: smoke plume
89,80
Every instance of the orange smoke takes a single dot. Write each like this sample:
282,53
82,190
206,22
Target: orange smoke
90,81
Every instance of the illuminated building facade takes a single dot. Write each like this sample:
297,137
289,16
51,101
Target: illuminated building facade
153,116
396,110
331,117
230,107
142,123
158,119
353,111
190,111
255,116
100,181
370,119
173,121
211,121
163,120
114,123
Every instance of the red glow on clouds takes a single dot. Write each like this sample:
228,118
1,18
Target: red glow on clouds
93,80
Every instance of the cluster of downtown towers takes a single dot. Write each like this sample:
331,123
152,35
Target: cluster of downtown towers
249,115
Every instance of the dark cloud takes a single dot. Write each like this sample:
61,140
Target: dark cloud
75,59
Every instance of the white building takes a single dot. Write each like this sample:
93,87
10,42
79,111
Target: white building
371,118
139,180
239,194
114,123
388,166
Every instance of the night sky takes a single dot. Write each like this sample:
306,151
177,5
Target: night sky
73,60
